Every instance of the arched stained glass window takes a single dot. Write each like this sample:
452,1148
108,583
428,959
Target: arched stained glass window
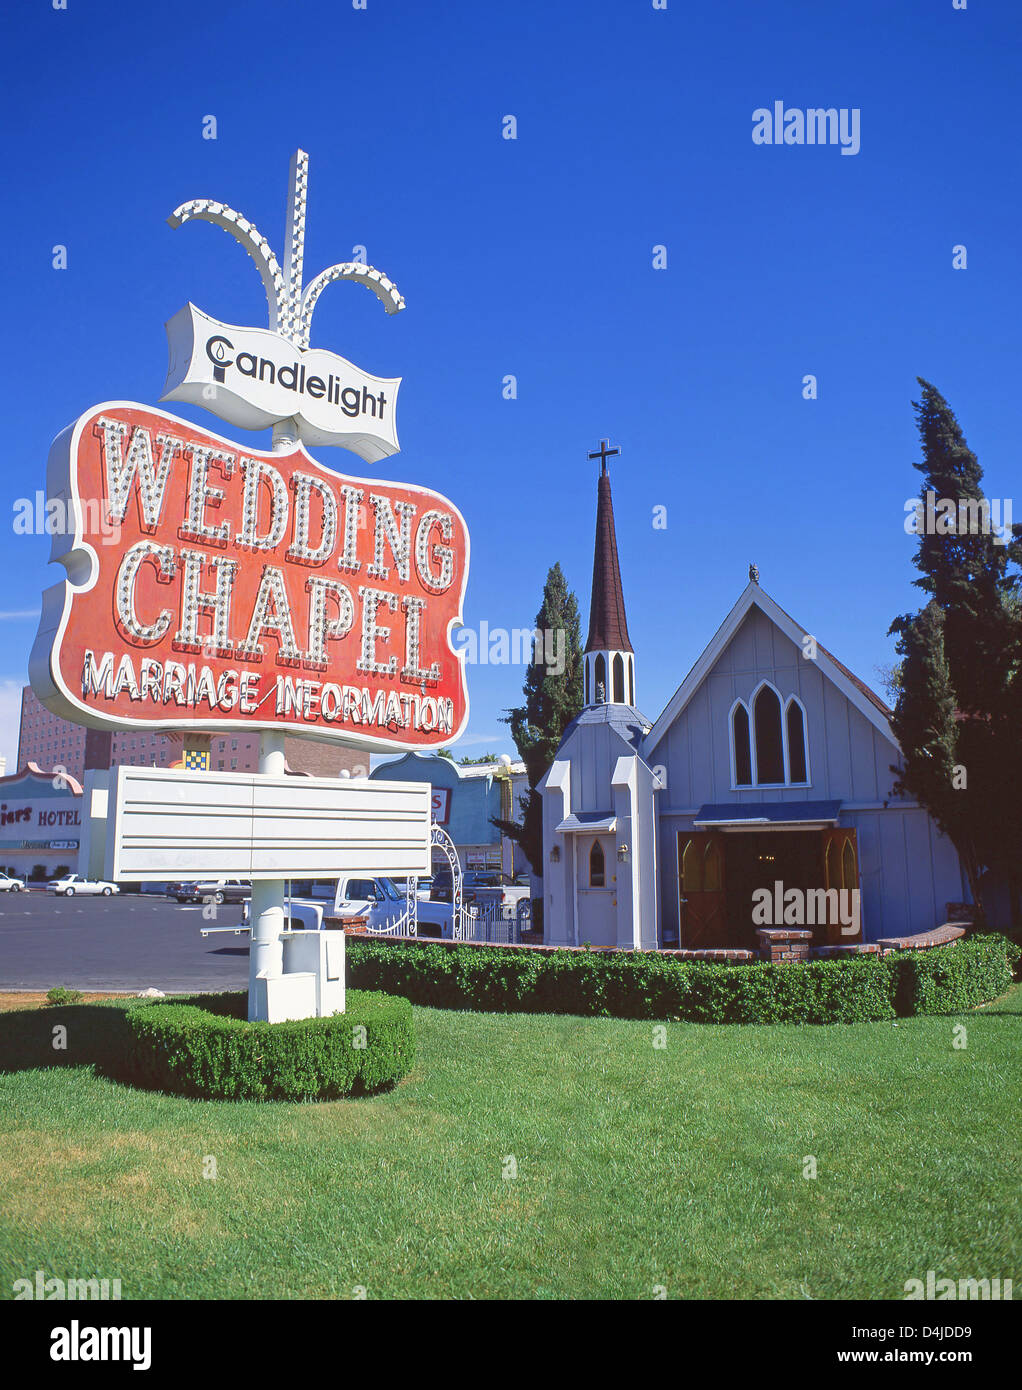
840,861
691,869
597,866
769,744
771,749
601,679
796,742
743,753
631,680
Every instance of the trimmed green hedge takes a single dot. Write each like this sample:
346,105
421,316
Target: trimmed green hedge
206,1047
948,979
618,984
645,984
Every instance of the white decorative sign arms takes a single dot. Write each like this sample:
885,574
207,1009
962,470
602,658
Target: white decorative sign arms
257,377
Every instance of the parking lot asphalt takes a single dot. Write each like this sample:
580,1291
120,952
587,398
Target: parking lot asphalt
126,942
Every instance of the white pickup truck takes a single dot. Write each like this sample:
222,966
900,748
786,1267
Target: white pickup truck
379,903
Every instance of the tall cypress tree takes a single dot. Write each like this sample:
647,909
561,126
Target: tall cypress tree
965,571
957,717
926,725
552,700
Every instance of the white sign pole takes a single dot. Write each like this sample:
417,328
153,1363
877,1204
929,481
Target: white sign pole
266,955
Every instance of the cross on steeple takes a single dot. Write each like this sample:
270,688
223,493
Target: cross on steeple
603,453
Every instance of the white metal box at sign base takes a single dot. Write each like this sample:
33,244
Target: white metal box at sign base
166,823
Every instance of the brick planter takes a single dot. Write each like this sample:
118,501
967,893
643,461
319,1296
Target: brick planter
939,936
852,948
711,953
784,943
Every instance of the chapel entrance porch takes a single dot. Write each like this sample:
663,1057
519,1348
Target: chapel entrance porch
720,870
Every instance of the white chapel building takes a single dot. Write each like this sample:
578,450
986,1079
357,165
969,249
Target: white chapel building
766,766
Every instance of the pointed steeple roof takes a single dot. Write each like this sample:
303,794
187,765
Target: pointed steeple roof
608,626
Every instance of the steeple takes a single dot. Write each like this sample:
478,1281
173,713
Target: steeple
609,659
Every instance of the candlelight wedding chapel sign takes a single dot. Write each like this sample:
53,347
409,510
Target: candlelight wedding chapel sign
247,590
217,587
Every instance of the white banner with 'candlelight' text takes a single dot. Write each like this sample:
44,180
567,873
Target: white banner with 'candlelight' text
253,377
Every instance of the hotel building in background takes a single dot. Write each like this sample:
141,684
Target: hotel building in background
51,742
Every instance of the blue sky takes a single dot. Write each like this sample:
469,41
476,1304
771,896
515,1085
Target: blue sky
534,257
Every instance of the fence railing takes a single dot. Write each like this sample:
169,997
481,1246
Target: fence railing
502,924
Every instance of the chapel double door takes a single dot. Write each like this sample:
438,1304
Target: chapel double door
703,901
718,875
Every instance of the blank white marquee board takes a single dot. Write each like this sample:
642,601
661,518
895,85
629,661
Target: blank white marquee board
167,823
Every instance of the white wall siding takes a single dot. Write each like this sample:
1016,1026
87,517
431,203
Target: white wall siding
910,872
849,759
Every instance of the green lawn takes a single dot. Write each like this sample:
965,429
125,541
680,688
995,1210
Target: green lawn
636,1167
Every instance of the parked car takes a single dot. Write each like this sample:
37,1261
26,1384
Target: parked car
498,890
310,902
480,887
441,888
471,881
72,884
423,887
220,890
11,885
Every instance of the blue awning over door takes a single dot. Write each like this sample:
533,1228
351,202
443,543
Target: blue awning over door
596,822
767,815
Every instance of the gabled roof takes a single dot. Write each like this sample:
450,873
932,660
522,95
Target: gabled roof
866,701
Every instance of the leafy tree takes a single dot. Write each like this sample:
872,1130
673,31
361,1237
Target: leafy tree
476,762
959,706
889,678
552,701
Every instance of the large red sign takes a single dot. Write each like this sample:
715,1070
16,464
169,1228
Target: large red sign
216,587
